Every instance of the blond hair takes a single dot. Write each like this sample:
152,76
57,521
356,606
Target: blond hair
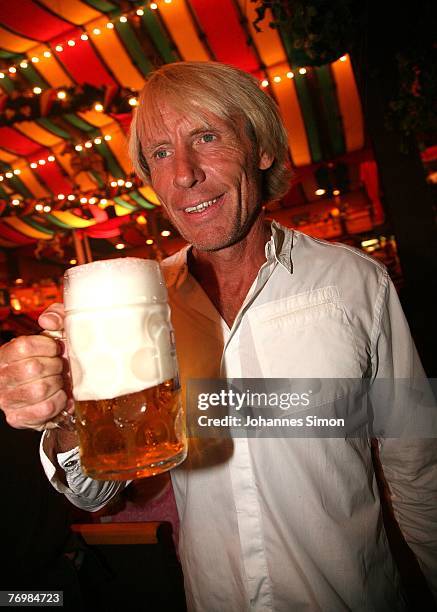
229,93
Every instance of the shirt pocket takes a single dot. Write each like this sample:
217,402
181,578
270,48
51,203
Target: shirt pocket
307,335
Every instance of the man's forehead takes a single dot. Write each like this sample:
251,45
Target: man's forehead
167,120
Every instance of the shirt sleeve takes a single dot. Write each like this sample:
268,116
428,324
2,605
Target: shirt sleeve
408,447
82,491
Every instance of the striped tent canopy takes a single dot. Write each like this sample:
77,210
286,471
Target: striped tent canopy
70,71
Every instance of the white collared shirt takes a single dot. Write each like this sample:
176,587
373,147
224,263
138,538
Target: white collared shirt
281,524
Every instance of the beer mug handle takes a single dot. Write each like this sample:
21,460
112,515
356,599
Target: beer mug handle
64,420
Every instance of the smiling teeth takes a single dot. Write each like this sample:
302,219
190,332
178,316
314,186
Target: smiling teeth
200,206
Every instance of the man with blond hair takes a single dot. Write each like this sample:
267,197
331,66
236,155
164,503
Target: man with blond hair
279,523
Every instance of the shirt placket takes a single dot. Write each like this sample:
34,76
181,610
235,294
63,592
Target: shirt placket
245,492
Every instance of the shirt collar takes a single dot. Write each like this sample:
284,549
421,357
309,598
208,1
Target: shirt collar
278,248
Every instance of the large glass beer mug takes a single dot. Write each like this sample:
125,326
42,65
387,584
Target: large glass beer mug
122,357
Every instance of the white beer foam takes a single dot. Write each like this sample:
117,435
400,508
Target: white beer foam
118,328
114,281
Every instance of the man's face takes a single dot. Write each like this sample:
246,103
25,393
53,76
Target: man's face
206,175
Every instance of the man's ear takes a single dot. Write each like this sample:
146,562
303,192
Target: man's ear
265,161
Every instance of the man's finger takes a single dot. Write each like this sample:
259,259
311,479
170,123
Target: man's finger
27,370
25,347
52,318
38,415
30,393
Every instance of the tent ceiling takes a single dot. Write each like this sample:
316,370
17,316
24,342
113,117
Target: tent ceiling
59,58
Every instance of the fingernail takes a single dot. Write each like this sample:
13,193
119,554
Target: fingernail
51,320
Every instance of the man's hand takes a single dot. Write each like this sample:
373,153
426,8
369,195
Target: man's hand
32,387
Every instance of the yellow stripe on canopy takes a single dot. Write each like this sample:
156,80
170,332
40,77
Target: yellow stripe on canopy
37,133
27,230
118,146
349,103
82,179
267,42
31,182
118,142
149,194
50,68
115,55
7,157
13,42
285,92
72,10
180,25
121,211
72,220
95,118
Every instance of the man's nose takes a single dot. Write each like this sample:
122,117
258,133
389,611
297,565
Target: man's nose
187,170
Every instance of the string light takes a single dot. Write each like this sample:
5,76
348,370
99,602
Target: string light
9,175
320,192
98,107
37,90
149,240
17,171
113,183
120,246
302,70
71,197
128,184
59,48
290,74
343,58
83,200
16,202
277,79
92,200
73,262
165,233
47,208
62,95
78,147
133,101
336,192
39,207
120,182
108,137
264,83
88,145
61,196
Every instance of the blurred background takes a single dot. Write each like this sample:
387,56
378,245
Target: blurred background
355,84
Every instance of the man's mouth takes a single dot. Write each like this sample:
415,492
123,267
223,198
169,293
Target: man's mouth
202,206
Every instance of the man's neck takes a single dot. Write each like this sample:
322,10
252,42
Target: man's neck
226,275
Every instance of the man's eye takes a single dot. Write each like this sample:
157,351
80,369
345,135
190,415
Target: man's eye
161,154
207,137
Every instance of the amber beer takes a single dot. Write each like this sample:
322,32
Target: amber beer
134,435
129,414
